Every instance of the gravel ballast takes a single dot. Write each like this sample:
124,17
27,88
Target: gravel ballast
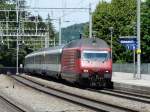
142,107
34,100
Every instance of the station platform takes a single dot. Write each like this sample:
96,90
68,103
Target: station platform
126,81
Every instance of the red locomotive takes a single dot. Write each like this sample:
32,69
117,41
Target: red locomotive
84,61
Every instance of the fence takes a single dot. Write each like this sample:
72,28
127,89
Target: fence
10,70
129,68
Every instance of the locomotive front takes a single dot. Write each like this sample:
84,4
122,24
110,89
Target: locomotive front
88,62
96,66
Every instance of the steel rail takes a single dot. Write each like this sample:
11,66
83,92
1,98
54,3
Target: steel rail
139,98
130,93
137,90
17,108
77,99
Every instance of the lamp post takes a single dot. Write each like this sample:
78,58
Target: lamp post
138,39
111,34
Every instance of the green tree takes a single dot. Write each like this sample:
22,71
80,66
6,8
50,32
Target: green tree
121,15
145,34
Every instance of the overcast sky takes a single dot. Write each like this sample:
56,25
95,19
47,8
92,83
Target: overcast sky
73,16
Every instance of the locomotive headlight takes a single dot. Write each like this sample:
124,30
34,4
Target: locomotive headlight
85,70
106,71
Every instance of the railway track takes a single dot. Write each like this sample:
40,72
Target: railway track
124,94
13,107
77,99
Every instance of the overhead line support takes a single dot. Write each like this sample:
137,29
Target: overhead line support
90,21
139,39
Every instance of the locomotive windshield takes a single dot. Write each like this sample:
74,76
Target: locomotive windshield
95,55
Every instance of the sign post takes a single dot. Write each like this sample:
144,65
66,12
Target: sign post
130,42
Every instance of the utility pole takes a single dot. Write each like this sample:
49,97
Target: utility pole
36,25
54,42
46,41
90,21
7,17
138,39
134,51
111,35
134,64
59,31
48,32
1,33
17,19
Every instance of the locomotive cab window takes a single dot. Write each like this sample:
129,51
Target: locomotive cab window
95,55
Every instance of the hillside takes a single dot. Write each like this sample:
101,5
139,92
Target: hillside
72,32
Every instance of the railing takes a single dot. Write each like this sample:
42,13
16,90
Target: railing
129,68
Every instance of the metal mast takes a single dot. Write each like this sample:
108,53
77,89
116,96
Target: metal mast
138,39
90,21
17,45
59,31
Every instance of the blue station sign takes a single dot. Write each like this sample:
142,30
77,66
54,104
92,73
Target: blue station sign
130,42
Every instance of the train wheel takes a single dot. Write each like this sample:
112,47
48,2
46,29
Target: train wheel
58,76
108,84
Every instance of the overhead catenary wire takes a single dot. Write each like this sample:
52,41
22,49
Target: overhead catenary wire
73,9
38,9
86,8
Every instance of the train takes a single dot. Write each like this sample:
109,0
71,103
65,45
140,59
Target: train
86,61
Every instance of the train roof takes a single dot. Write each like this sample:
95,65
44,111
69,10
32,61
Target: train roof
84,42
46,50
88,42
51,48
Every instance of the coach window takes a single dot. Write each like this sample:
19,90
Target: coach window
46,58
58,58
55,59
43,59
40,59
36,59
52,58
28,60
31,60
